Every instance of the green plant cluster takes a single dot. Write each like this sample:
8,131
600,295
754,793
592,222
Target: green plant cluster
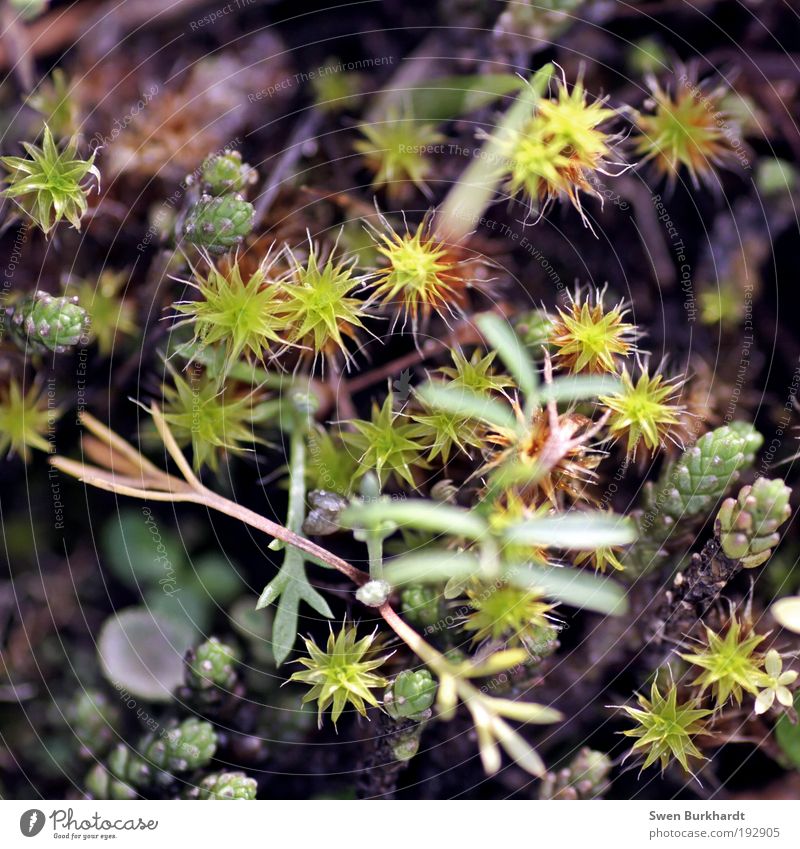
454,496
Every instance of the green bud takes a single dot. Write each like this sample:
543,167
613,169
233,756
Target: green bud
101,784
689,489
95,721
410,695
228,785
211,666
181,748
405,743
118,778
219,223
747,526
223,173
421,604
586,777
48,323
126,766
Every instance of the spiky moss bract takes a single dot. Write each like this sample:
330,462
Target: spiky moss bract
243,311
55,102
506,613
340,674
477,373
511,508
442,432
50,185
747,526
219,224
395,151
560,150
319,306
330,465
588,338
643,411
572,472
25,418
387,444
48,323
666,728
211,419
687,127
110,315
421,274
601,559
730,664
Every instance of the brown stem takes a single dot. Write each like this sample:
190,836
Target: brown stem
256,520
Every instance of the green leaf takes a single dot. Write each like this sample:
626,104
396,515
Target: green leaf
502,338
526,711
141,651
471,195
498,661
217,577
464,402
572,586
578,388
431,567
289,588
788,736
446,98
141,551
417,513
518,748
575,531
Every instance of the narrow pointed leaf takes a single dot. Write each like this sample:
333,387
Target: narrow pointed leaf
501,337
463,402
574,587
574,531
